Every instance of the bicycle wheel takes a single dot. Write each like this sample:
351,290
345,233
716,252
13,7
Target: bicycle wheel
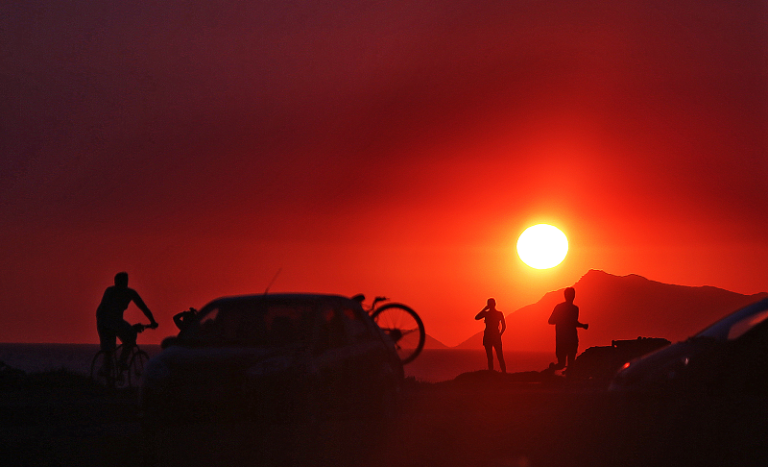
404,327
103,368
136,367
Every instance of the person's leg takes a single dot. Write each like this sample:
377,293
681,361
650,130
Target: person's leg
127,336
560,353
500,356
107,343
571,356
107,338
489,354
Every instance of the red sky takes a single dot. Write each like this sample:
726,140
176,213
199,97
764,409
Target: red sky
387,148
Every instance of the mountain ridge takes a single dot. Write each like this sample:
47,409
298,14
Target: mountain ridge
620,307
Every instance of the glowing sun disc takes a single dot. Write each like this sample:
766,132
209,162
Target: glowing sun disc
542,246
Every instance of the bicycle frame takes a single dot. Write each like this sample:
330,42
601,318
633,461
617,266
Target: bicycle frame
105,365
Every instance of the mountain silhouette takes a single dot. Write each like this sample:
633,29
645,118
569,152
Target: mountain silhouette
620,307
432,343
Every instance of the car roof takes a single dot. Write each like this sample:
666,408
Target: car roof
283,297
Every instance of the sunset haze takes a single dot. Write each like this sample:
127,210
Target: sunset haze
383,148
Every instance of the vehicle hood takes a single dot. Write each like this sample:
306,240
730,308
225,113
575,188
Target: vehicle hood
663,368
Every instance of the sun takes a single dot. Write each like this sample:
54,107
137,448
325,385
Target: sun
542,246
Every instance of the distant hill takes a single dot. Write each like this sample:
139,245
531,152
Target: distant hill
432,343
620,307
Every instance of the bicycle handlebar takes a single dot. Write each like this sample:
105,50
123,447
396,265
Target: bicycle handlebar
139,327
361,298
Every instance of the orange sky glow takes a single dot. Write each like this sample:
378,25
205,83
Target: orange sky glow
394,150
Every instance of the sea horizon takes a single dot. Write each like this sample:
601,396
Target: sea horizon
432,366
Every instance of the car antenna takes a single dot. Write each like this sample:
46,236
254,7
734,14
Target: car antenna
272,281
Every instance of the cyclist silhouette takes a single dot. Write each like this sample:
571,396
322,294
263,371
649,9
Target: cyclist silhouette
492,334
565,317
109,317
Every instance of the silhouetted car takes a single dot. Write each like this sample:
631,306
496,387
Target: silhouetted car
600,363
730,356
276,355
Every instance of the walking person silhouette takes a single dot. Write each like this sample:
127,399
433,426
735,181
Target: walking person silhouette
565,318
492,334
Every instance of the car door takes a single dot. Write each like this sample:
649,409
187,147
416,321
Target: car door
349,357
330,360
368,370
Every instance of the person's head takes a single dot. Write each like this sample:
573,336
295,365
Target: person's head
491,303
121,279
570,294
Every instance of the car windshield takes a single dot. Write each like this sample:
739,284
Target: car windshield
738,323
256,323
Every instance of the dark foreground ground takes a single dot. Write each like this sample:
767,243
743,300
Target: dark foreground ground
475,420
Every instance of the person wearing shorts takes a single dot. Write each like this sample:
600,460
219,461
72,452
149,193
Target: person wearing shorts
492,334
109,317
565,318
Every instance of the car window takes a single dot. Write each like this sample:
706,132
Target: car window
286,323
744,325
738,323
208,327
208,318
331,331
253,323
357,327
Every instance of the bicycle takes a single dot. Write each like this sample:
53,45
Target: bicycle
401,324
107,371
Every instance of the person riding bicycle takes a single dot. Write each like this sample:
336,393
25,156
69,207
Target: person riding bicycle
109,317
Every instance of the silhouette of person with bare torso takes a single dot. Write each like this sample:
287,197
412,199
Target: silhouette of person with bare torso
492,334
565,317
185,318
109,317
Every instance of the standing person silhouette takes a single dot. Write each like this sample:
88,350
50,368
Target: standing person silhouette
565,317
185,318
109,317
492,334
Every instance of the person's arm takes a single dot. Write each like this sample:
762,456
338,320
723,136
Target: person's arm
503,325
481,315
178,319
553,317
578,324
145,309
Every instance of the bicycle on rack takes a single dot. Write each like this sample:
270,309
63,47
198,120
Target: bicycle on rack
107,371
401,324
